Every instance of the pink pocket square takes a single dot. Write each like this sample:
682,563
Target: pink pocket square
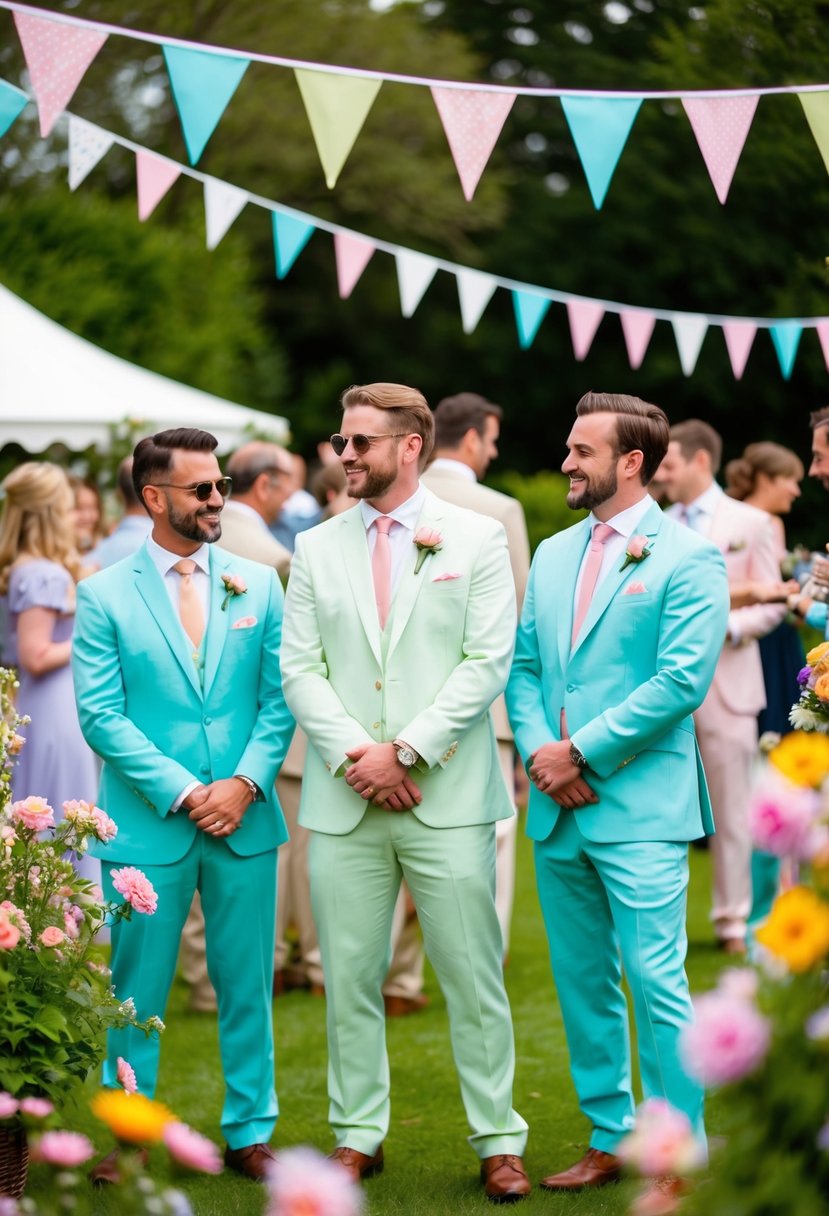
635,589
244,622
444,578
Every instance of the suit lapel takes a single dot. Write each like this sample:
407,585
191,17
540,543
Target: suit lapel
218,621
353,546
151,588
410,584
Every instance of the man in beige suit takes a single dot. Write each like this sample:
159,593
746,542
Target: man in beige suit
726,722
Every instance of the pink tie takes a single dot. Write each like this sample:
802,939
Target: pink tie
590,575
381,567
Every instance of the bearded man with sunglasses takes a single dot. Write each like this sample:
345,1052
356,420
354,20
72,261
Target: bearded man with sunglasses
399,629
176,663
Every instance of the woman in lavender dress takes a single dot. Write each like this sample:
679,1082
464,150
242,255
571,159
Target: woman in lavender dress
39,566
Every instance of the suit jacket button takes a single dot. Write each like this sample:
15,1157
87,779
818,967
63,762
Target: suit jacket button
571,688
377,685
376,726
208,721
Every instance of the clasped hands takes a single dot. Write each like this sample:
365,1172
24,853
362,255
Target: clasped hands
554,773
378,776
218,808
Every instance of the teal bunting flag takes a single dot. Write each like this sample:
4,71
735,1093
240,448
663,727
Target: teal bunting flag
530,310
202,85
600,127
290,236
12,104
786,338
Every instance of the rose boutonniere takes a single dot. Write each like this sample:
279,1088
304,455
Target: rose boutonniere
734,546
427,541
637,550
234,585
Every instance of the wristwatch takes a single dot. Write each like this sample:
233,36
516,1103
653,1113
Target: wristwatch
406,755
577,758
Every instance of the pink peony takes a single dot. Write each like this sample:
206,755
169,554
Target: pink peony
34,813
782,816
8,1105
63,1149
191,1149
728,1039
302,1182
136,889
106,829
9,932
38,1108
663,1142
126,1076
52,936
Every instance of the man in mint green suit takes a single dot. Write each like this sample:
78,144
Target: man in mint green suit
190,721
601,693
391,678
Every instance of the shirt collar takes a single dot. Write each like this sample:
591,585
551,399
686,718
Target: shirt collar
164,560
249,512
706,503
446,464
625,522
406,514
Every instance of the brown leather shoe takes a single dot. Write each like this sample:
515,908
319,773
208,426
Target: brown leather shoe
661,1197
358,1165
505,1179
595,1169
735,946
401,1006
108,1170
254,1161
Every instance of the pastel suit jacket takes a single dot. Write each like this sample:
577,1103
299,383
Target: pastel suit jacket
641,665
430,680
143,709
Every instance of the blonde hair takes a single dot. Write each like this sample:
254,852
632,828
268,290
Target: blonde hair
408,407
36,520
766,457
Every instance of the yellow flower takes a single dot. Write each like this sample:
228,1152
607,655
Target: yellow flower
817,653
131,1118
821,688
803,757
797,929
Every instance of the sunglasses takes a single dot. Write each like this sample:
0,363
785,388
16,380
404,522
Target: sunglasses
360,443
202,489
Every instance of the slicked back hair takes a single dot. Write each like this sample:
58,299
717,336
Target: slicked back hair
640,427
153,456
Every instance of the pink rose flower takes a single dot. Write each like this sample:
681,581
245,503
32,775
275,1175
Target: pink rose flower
662,1142
728,1040
34,813
636,547
8,1105
52,936
301,1181
782,816
126,1076
9,932
106,829
38,1108
63,1149
189,1148
428,538
136,889
76,809
16,745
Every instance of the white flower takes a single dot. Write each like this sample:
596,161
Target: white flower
806,719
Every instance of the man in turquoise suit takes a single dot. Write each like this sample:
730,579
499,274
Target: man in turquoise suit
623,621
176,661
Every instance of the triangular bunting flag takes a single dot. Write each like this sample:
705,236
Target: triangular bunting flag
337,107
202,85
415,272
816,109
584,321
786,338
689,331
600,127
637,326
739,337
472,120
352,254
57,55
721,125
290,236
156,175
475,290
822,328
222,204
12,104
530,310
87,145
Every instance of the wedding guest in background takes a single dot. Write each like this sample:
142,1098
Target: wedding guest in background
814,610
39,569
300,510
87,515
133,527
328,487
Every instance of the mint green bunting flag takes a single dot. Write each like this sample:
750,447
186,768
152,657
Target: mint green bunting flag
12,104
290,236
786,339
600,127
202,85
530,309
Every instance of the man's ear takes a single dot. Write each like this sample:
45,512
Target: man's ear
154,500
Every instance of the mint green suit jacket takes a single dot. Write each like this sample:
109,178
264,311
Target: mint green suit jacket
641,665
143,709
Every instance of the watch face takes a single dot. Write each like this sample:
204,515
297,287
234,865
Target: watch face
406,756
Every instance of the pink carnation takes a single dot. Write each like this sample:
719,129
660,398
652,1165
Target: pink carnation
9,932
63,1149
52,936
126,1076
782,817
191,1149
34,813
106,829
70,925
728,1039
663,1141
302,1181
136,889
8,1105
38,1108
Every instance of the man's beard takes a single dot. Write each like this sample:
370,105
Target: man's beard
186,523
594,493
376,483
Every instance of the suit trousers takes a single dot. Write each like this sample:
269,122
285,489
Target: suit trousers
238,895
355,880
608,907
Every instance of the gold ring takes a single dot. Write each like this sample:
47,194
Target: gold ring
370,791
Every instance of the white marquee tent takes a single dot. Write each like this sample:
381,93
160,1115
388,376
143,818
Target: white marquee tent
58,388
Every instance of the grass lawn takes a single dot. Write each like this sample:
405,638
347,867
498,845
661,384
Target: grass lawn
429,1167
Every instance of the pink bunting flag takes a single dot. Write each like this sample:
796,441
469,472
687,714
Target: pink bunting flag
156,175
57,55
822,328
637,326
472,120
353,254
739,336
721,125
584,321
